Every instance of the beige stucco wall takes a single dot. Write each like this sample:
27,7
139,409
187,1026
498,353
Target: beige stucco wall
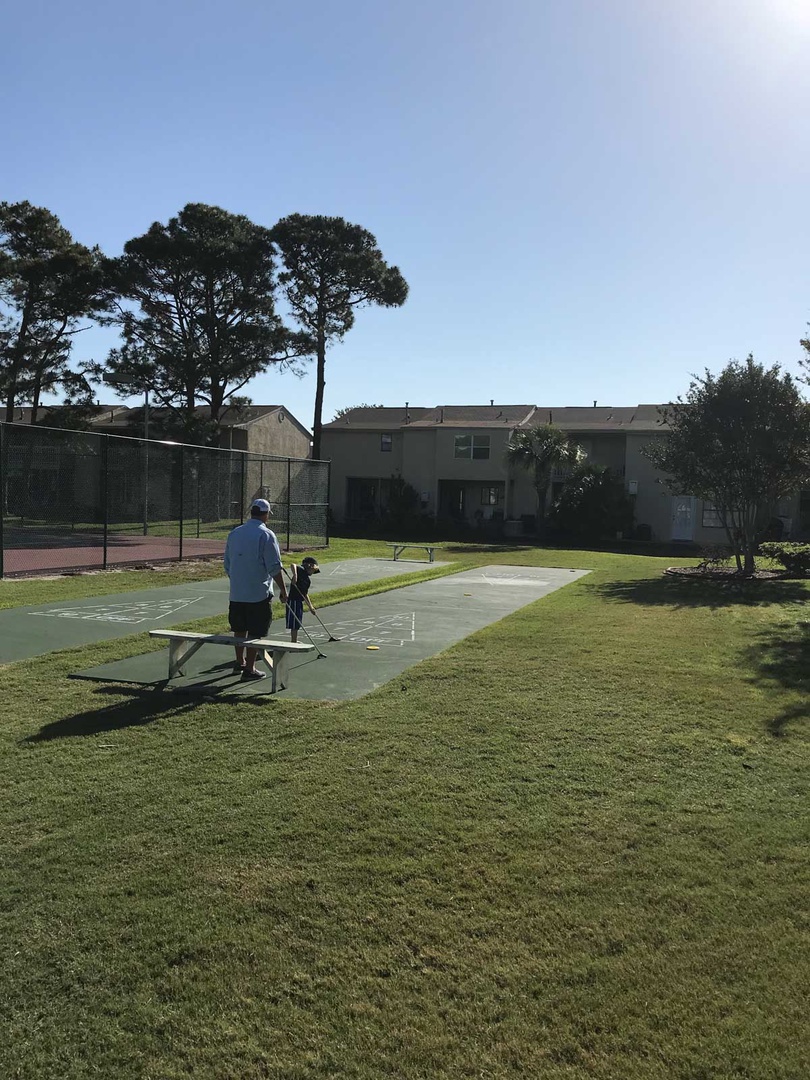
268,435
418,464
655,501
653,498
606,449
476,473
358,454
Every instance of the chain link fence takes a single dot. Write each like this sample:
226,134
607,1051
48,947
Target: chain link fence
81,500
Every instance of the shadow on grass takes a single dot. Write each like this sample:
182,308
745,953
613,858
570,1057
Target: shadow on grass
688,592
486,549
142,707
781,658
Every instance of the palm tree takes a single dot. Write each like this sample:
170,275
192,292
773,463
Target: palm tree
541,450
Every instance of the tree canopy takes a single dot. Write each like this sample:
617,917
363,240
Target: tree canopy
198,317
331,267
740,440
48,285
350,408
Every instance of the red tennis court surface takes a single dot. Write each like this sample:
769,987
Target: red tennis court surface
37,551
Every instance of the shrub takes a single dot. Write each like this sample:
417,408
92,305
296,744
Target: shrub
794,557
593,504
714,557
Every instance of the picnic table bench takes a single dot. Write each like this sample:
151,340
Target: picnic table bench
184,643
399,548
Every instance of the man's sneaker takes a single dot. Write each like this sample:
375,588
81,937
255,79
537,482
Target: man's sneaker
251,676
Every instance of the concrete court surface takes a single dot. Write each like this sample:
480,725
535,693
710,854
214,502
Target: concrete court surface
407,625
35,631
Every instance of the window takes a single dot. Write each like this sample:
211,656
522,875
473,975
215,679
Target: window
472,446
711,517
491,496
386,441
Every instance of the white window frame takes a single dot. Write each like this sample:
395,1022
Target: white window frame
475,442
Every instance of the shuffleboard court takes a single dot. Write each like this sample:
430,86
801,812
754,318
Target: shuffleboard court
380,637
34,631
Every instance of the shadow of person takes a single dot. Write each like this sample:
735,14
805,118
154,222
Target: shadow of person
141,707
780,658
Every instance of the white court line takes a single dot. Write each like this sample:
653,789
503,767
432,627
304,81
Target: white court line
132,613
375,631
500,582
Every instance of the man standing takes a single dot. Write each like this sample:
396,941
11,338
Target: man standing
253,563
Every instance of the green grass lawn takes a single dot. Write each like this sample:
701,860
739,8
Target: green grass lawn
587,859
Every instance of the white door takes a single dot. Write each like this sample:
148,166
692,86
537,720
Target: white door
683,517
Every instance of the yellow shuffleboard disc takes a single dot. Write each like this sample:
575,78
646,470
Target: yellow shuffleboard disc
374,648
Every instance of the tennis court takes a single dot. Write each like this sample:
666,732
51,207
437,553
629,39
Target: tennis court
79,500
32,550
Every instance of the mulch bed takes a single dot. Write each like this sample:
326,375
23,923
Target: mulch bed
724,573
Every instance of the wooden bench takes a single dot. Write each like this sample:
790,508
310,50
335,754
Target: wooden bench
183,644
399,548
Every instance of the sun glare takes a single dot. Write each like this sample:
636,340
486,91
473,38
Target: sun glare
791,13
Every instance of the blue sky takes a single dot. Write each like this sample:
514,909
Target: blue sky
590,199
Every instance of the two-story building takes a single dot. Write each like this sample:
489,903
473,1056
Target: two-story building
259,429
455,458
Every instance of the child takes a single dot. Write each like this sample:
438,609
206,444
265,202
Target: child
300,580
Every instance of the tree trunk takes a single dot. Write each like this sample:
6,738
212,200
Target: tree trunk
319,388
35,402
541,482
17,363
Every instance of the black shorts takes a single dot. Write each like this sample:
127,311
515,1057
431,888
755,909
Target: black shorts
250,619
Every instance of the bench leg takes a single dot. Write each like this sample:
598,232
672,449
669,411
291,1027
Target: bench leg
179,652
279,669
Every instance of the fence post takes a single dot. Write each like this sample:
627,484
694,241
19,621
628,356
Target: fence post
242,491
145,487
182,488
289,500
105,494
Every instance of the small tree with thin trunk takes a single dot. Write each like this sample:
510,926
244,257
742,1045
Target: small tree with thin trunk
331,268
740,440
540,450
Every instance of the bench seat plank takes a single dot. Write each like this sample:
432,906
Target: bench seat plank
399,548
184,643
